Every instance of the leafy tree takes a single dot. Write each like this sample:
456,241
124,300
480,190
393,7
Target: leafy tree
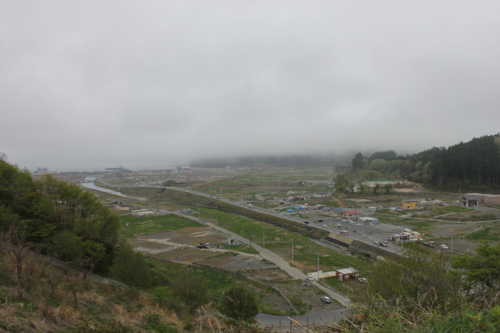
67,247
17,191
351,185
82,214
239,303
357,162
362,187
341,183
388,188
388,155
94,253
376,188
162,294
482,270
378,164
8,219
191,290
130,267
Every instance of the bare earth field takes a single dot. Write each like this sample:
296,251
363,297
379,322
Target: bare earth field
180,246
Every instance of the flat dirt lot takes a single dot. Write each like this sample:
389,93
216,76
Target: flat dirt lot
180,246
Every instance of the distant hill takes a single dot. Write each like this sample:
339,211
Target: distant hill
287,160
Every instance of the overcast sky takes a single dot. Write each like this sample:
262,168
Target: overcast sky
94,84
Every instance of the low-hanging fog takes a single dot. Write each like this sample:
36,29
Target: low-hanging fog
93,84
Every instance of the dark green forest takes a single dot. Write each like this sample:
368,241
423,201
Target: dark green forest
471,165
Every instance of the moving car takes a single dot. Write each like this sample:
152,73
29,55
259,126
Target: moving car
310,277
326,299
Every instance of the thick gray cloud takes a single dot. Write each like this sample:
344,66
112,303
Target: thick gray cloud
146,84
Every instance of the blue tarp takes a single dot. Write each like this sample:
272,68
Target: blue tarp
290,210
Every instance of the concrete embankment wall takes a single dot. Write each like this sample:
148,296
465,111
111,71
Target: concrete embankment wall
373,250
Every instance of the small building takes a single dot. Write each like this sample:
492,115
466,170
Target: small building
326,210
337,212
366,220
470,201
413,235
409,204
345,274
351,214
408,235
373,209
142,212
320,194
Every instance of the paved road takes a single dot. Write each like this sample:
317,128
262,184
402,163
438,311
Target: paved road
284,265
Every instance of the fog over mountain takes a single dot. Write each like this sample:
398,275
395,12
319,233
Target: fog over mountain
96,84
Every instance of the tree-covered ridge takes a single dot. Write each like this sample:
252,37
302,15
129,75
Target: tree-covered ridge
475,164
58,218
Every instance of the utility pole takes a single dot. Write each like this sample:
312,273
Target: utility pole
318,265
263,238
292,251
452,245
312,307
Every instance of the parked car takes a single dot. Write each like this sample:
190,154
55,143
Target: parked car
364,280
306,222
326,299
310,277
444,246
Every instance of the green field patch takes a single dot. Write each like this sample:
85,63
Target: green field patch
485,234
132,225
452,209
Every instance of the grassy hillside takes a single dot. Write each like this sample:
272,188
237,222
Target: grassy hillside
49,299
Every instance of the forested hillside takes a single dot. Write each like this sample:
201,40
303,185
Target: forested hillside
58,218
471,165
